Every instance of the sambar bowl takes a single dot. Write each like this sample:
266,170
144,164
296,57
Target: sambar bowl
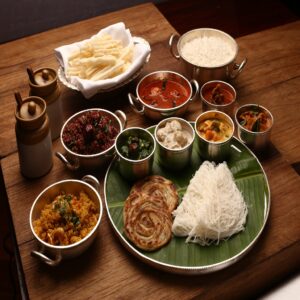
199,51
163,94
135,148
54,254
88,138
174,137
218,95
254,125
214,130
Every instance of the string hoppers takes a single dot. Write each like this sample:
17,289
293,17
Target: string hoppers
212,208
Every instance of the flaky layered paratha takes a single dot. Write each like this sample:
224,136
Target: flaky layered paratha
148,223
159,187
147,212
136,201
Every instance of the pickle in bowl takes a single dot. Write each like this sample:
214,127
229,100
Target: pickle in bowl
254,124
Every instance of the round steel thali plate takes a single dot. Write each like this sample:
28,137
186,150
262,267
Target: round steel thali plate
188,258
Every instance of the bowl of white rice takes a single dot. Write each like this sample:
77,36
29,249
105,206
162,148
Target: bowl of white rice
207,54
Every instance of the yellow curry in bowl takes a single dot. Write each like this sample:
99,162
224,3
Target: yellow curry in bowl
214,130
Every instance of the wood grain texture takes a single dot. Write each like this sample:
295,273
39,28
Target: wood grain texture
271,78
107,270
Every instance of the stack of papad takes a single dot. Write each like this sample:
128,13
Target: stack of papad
148,211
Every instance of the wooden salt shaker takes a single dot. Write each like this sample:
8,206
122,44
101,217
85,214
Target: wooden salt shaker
43,83
33,136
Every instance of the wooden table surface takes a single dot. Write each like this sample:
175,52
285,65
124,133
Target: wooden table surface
106,270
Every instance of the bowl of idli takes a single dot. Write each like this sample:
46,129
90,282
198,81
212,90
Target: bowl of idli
175,138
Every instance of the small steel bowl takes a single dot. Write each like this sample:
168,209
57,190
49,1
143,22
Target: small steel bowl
134,169
228,70
210,150
179,157
228,108
73,161
257,141
156,113
51,254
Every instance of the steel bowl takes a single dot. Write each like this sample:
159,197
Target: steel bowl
132,169
53,255
174,158
74,161
226,71
228,108
257,141
210,150
155,113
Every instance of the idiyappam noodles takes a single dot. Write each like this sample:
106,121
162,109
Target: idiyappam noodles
212,208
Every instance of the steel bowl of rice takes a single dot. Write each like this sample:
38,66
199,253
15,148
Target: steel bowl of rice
207,54
88,138
65,219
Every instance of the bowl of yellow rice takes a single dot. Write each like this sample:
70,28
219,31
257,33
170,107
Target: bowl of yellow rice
65,218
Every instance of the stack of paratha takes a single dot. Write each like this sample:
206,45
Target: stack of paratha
148,211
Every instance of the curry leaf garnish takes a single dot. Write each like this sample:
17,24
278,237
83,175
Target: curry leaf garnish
164,84
243,122
74,219
136,147
256,126
68,198
256,110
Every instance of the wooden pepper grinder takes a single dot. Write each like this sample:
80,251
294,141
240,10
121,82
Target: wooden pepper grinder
43,83
33,136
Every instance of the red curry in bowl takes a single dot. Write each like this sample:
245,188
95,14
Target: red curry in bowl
164,90
164,93
218,94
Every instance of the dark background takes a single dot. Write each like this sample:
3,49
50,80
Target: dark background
20,18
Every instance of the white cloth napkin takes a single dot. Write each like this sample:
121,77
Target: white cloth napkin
118,31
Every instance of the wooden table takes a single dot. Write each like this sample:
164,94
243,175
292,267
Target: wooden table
106,270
